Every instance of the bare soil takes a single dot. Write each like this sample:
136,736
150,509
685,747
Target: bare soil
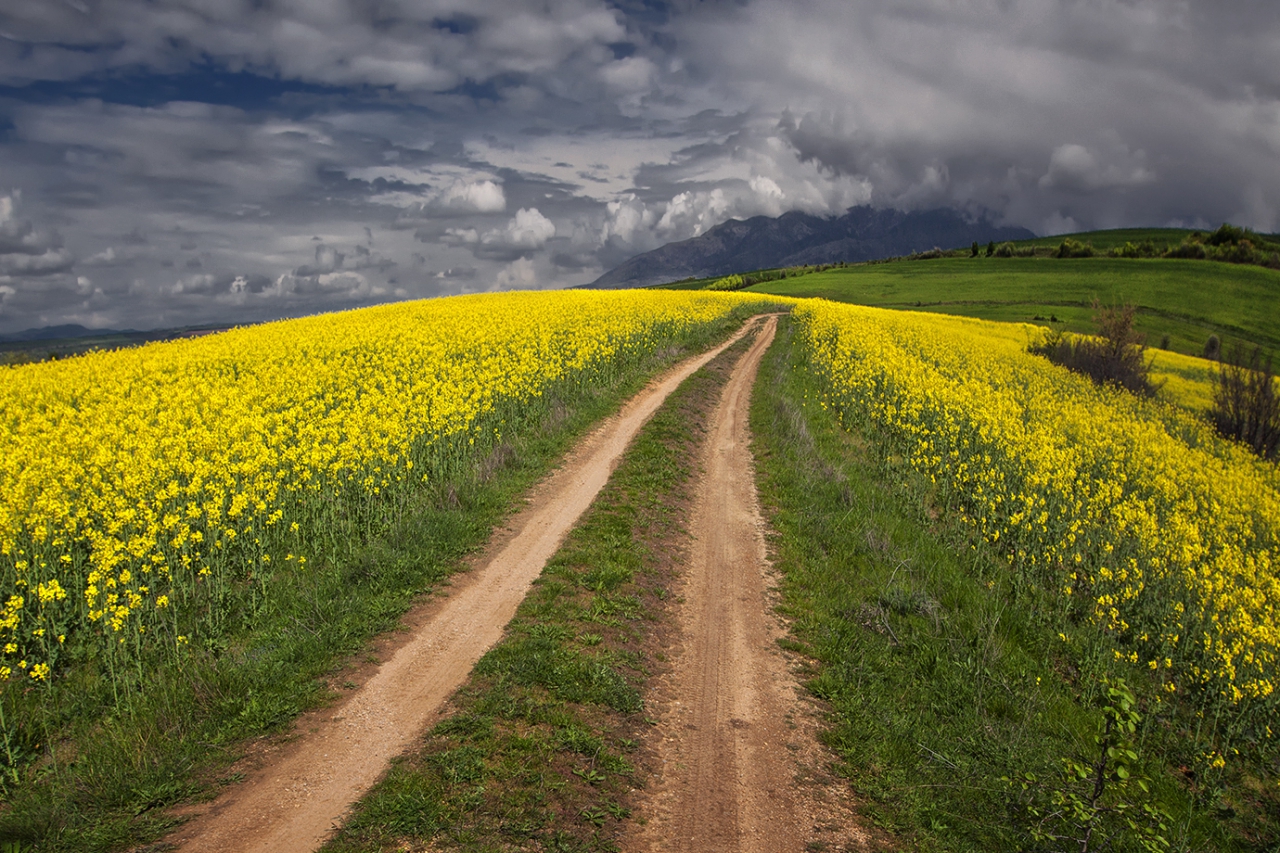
298,789
737,766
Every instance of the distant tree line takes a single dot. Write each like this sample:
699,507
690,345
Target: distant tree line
1228,244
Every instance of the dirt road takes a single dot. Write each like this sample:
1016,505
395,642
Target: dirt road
737,754
293,802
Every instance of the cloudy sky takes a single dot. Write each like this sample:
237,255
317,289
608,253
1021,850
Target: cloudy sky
165,162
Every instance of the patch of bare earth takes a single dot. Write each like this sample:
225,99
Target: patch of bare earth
737,764
300,787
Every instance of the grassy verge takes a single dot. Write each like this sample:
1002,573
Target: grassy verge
97,779
955,703
539,750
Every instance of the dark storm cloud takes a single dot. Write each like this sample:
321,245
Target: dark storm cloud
171,162
1089,113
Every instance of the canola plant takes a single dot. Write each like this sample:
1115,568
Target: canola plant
1131,513
137,487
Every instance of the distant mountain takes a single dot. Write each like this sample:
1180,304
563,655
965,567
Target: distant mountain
58,333
794,239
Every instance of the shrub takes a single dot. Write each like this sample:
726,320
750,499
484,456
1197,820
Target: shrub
1189,248
1071,248
1245,405
1145,249
1212,347
1004,250
991,248
1114,357
1227,235
1242,252
729,282
1230,244
1100,797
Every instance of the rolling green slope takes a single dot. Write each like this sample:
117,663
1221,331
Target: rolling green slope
1185,300
1103,240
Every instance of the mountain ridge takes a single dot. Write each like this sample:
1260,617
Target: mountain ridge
796,239
60,332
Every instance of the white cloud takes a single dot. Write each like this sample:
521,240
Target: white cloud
528,230
51,261
342,42
766,189
459,197
103,258
460,236
627,219
1075,167
474,197
519,274
691,213
634,74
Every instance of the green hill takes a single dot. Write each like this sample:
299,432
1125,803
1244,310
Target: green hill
1185,300
1115,238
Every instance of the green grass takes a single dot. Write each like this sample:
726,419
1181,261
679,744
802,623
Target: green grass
94,774
1186,300
539,750
943,677
1114,238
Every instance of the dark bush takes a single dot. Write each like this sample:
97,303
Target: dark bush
1245,405
973,250
1212,347
1227,235
991,248
1115,357
1188,249
1242,252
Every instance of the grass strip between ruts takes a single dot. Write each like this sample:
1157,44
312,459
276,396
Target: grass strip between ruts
539,749
942,683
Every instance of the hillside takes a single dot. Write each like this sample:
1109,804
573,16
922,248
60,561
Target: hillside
795,238
1182,299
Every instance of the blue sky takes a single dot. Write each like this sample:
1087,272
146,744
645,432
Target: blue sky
165,163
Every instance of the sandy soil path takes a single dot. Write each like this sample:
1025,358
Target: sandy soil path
293,802
736,762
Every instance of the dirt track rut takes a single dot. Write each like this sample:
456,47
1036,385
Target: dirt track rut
737,754
293,803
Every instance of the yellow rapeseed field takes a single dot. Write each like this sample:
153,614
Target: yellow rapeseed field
1133,511
136,485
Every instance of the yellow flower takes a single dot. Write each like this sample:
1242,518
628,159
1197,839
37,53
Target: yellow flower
165,461
1174,533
